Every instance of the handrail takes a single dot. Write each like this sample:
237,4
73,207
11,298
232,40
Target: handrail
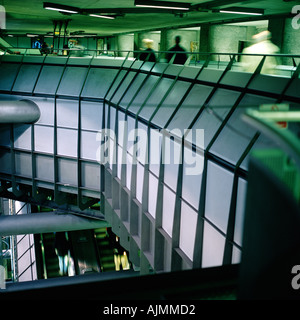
282,55
265,122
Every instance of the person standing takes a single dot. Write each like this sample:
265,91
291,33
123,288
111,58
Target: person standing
180,55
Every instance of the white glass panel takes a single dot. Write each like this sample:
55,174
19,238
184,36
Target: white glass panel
67,171
236,255
188,223
67,113
91,115
168,210
240,211
43,139
67,142
139,182
155,98
152,194
90,175
49,79
46,106
234,138
26,78
191,184
213,247
72,81
128,171
155,151
218,195
22,135
89,145
170,103
171,160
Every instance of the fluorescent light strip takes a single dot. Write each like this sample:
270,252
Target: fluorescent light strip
101,16
61,10
239,12
160,7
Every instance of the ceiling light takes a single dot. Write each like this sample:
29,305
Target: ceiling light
102,16
162,5
248,11
60,7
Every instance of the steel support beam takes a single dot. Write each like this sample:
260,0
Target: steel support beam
44,222
22,111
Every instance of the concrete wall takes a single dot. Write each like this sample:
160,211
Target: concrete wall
233,36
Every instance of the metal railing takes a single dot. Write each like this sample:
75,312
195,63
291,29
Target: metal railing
286,64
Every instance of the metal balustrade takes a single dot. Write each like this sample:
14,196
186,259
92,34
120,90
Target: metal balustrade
173,196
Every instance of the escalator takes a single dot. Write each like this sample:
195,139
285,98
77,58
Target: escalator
91,251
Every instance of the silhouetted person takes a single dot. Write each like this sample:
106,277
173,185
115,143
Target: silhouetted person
262,45
148,54
180,58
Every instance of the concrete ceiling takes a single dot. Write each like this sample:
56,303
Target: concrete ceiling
29,16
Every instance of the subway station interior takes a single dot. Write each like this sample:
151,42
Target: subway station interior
134,168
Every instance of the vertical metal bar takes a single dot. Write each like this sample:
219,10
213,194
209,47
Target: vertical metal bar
56,193
80,203
227,256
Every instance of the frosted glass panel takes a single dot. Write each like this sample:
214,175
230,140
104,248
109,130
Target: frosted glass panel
240,211
67,142
143,94
115,84
67,171
167,108
22,135
128,171
234,138
44,167
132,90
190,107
46,106
90,145
26,78
139,182
130,134
155,151
43,139
236,255
152,194
91,115
218,195
125,83
168,210
171,160
49,79
98,82
67,113
213,247
10,71
90,175
192,177
72,81
188,223
210,121
155,98
23,164
5,135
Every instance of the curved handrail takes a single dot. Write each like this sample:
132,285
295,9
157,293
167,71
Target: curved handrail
265,122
